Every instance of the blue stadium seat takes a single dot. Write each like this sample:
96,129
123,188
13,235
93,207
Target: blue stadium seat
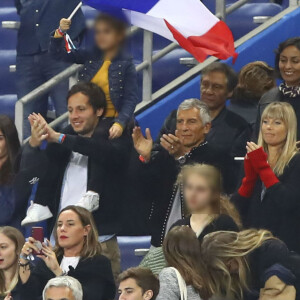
241,20
7,79
7,105
8,37
6,3
127,246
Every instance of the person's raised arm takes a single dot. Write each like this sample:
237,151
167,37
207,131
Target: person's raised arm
57,46
287,192
143,145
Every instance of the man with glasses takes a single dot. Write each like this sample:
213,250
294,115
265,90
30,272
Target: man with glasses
229,131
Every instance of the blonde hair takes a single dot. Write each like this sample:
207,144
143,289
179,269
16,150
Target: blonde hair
91,246
18,239
284,112
221,203
218,248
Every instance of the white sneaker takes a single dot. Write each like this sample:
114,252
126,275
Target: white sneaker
90,201
36,213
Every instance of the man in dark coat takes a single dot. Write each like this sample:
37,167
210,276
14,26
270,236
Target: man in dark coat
160,165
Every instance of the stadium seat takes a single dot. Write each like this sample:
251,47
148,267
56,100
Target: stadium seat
241,21
7,79
128,245
7,105
6,3
8,37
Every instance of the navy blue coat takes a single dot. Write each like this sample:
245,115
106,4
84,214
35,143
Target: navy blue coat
39,18
121,75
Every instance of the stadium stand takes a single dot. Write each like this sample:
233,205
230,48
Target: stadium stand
167,69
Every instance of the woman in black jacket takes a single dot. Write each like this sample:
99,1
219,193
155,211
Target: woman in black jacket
287,63
269,196
239,265
208,210
77,253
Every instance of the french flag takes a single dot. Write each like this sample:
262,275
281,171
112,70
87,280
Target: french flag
187,22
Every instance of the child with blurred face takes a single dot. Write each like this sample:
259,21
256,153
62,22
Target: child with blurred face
110,69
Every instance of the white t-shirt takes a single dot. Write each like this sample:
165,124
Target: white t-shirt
69,261
75,180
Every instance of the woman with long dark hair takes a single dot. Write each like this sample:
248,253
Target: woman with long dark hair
287,65
9,148
77,253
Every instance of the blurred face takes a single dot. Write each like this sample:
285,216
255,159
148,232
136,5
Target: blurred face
190,129
106,37
214,90
59,293
129,290
70,231
82,116
197,193
8,255
274,131
289,65
3,148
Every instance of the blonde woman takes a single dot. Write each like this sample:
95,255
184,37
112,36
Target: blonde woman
241,264
208,210
269,196
77,253
11,242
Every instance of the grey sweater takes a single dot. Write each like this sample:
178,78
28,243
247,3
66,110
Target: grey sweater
169,288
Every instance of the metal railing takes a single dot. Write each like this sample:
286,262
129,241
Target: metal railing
146,66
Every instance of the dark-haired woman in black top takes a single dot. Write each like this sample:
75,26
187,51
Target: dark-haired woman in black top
287,63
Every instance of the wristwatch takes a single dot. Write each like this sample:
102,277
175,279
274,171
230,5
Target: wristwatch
182,160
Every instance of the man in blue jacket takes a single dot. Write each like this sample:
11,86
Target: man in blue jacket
34,65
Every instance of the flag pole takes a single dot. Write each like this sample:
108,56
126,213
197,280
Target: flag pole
75,11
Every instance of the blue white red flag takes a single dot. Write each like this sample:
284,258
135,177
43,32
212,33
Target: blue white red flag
187,22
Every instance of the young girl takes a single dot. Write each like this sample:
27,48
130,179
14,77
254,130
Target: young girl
242,265
269,196
105,65
11,242
208,210
77,253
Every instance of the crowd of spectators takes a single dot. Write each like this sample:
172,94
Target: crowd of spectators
218,231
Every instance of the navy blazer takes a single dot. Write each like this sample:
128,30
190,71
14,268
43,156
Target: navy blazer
39,18
121,75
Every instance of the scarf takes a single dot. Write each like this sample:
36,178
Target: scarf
289,91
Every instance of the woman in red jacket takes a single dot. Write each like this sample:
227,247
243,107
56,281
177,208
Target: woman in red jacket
269,196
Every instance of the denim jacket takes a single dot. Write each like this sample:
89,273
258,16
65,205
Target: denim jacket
121,75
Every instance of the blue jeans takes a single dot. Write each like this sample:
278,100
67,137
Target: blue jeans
34,70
